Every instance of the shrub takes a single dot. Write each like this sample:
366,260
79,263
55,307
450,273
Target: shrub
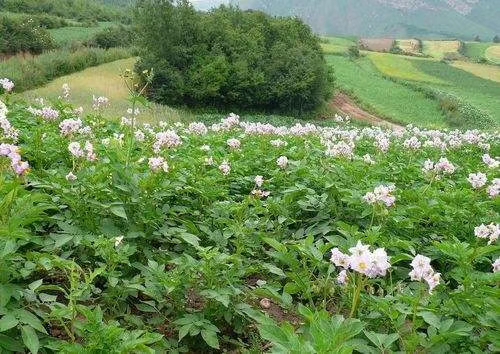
23,35
353,52
230,58
34,72
118,36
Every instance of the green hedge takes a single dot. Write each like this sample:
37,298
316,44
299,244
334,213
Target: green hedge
35,72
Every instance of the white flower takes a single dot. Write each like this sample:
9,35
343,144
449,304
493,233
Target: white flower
71,177
259,181
422,270
496,265
118,240
340,259
282,162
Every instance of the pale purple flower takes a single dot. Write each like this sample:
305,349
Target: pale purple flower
76,149
477,180
198,128
342,278
70,126
156,164
234,144
6,84
422,270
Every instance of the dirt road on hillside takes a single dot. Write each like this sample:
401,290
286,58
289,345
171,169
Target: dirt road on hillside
346,106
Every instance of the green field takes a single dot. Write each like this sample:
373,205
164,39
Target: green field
382,96
66,35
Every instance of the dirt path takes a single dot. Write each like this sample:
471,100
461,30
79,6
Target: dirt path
346,106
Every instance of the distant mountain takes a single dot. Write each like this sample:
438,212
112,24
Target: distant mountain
463,19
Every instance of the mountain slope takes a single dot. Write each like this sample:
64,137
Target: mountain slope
398,18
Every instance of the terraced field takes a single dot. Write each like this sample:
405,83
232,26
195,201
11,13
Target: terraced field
401,67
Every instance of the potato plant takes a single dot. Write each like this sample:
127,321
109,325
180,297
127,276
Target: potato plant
238,236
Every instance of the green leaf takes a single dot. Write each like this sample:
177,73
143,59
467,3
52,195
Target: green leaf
7,322
10,344
431,319
210,338
189,238
275,244
30,339
119,211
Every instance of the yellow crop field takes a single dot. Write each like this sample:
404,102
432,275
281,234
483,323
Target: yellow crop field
409,46
439,49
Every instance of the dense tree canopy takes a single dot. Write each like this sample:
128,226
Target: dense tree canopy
230,58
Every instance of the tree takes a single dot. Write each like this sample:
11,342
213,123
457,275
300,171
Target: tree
477,39
229,58
496,39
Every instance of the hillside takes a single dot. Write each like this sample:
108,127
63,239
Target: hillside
396,18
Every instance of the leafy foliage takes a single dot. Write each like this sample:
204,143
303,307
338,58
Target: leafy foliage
230,58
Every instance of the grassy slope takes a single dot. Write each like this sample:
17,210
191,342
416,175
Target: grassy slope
385,97
102,80
66,35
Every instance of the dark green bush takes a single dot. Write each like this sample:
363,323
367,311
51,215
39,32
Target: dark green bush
118,36
23,35
229,58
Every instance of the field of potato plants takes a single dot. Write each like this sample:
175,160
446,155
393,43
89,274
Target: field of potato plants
243,237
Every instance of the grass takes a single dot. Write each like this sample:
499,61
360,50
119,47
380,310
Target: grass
484,71
400,67
384,97
66,35
439,49
38,71
475,50
493,54
103,80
